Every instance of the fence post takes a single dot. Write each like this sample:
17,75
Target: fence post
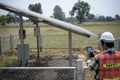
70,48
119,44
79,69
41,42
0,45
11,41
99,44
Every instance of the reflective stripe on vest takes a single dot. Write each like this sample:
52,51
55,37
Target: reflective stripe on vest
111,79
109,66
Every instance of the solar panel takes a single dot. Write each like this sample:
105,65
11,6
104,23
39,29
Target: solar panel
59,24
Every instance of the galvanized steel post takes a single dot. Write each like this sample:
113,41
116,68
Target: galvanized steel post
22,62
119,44
0,45
79,69
41,42
11,41
37,37
70,47
99,44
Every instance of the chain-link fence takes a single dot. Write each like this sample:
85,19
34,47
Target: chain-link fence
53,42
117,44
5,43
38,73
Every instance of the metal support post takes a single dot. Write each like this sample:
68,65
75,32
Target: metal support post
0,45
40,43
99,44
70,47
11,41
79,70
118,44
37,37
23,61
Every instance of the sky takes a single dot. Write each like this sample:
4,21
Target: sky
98,7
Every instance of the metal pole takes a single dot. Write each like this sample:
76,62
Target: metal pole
0,45
41,43
37,37
118,44
70,47
75,76
11,41
99,44
23,62
79,69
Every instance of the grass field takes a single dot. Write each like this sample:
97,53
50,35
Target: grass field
56,38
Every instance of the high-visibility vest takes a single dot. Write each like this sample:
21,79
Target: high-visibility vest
109,66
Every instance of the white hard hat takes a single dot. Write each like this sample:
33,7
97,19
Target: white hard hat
107,37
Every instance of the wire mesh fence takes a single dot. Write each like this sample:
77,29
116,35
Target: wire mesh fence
38,73
5,42
57,41
117,44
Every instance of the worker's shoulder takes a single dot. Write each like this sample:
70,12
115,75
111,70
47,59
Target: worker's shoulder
96,57
117,51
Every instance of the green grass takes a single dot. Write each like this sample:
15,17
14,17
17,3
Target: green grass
57,38
54,37
7,61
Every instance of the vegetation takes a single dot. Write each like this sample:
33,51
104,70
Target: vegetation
58,13
52,35
3,19
12,18
56,38
117,17
81,9
79,13
36,8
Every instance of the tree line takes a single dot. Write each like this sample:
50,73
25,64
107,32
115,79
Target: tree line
9,18
79,13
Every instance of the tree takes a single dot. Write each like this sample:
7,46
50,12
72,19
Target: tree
71,20
81,9
12,18
58,13
36,8
117,17
90,17
101,18
109,18
3,19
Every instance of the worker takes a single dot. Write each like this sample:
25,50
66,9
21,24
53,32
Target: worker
106,63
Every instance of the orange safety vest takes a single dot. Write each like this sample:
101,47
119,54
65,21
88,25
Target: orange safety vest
109,66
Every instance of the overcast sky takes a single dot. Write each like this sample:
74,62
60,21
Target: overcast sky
98,7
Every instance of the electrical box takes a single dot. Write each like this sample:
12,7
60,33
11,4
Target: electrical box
24,34
25,50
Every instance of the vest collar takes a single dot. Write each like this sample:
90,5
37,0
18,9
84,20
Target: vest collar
109,50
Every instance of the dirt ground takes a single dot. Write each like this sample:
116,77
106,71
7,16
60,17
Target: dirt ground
63,61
